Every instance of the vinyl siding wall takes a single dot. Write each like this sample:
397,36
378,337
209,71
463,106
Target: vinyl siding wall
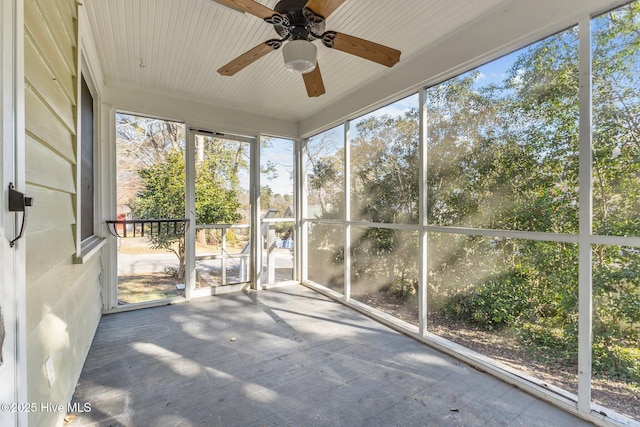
63,298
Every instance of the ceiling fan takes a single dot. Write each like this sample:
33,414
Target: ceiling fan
298,23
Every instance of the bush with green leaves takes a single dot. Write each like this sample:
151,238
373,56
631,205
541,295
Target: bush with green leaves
163,196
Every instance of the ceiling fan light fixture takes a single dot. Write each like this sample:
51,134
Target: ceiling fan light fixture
300,56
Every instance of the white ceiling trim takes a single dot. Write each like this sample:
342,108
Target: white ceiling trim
196,113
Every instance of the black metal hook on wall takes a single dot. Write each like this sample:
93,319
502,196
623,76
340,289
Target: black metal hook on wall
18,202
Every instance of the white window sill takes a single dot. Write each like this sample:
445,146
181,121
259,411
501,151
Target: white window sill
89,248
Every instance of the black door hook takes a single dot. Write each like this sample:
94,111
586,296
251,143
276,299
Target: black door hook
18,202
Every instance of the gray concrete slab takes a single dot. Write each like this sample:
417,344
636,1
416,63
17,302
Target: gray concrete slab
284,357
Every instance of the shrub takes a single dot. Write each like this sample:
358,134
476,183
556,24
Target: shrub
616,361
553,344
492,305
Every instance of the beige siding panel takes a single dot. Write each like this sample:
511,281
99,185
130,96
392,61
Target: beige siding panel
69,24
85,285
50,330
43,292
63,299
86,303
64,332
62,27
45,168
42,81
67,7
50,336
47,249
36,374
37,29
78,283
51,209
41,124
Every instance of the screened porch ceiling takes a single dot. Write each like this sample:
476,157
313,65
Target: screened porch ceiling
167,48
177,46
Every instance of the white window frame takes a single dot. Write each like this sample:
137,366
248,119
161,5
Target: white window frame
87,248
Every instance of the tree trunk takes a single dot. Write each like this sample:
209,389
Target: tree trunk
181,259
201,237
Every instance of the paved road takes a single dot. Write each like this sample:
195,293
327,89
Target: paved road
145,263
156,263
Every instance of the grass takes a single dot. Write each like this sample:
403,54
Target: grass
147,287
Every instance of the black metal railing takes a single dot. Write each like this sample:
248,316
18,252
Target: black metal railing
147,227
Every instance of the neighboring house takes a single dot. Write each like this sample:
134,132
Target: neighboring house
57,118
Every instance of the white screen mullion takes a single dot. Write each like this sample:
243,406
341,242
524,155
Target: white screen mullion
585,220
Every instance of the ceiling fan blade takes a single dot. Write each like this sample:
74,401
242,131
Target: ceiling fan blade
363,48
324,8
249,6
247,58
313,82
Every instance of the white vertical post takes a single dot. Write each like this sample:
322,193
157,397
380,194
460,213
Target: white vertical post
347,212
301,191
255,260
295,251
223,258
12,170
20,176
423,246
243,270
585,290
108,182
271,255
190,214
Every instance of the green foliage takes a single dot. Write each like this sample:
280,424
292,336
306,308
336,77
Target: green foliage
266,193
384,160
163,195
617,361
383,259
325,161
495,304
504,156
550,343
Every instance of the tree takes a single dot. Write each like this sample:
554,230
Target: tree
142,142
385,189
163,196
616,193
504,156
325,164
515,167
384,158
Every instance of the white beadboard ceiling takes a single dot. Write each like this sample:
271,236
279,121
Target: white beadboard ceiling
175,47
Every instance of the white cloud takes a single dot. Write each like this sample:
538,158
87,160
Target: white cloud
517,80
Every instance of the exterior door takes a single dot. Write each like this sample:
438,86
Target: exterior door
221,183
12,360
150,188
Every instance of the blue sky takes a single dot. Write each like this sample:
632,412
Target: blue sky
279,152
496,71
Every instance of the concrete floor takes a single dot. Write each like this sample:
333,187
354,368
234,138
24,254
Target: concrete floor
284,357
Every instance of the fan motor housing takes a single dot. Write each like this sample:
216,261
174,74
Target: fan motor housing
300,27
